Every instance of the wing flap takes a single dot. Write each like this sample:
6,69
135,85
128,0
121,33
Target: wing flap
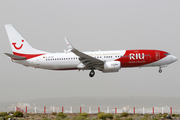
15,57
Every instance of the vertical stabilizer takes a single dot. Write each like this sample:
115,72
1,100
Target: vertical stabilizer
18,44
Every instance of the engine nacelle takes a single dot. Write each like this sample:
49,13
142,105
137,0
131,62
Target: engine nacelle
112,66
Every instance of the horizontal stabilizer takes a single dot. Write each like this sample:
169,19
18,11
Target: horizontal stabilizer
15,57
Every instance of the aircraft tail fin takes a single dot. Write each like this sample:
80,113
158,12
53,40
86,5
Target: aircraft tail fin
18,43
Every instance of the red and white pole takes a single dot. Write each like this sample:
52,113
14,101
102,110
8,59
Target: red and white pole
44,109
153,110
80,109
115,110
62,109
98,109
26,109
134,110
171,110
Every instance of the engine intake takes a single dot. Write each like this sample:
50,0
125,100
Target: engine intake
112,66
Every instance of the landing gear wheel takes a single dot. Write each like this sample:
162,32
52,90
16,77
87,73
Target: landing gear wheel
92,73
160,70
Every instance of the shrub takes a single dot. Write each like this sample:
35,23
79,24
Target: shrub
18,114
116,116
45,118
102,116
8,116
124,114
116,119
1,118
67,118
99,113
109,115
3,114
159,115
83,114
175,115
129,118
93,119
62,115
54,113
58,118
146,115
144,118
136,115
164,115
26,114
156,118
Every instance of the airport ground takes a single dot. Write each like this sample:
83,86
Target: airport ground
99,116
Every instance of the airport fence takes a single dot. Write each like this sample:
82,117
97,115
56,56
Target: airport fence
95,110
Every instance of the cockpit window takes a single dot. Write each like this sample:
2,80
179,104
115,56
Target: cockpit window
166,54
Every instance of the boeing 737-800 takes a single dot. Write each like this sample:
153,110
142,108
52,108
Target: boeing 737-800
73,59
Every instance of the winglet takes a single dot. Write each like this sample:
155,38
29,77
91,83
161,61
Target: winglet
68,44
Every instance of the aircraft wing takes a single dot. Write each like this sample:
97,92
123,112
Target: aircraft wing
15,57
89,61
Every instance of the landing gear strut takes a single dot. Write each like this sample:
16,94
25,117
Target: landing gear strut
160,70
92,73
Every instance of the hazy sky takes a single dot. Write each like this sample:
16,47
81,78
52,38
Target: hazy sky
90,25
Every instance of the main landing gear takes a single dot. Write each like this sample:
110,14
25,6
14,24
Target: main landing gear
92,73
160,70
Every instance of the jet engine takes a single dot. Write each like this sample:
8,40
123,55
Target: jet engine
111,66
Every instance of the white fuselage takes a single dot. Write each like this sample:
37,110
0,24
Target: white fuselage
70,61
67,61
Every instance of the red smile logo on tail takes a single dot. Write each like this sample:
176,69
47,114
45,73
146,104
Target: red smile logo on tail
17,48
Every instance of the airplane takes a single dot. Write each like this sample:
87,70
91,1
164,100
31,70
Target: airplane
73,59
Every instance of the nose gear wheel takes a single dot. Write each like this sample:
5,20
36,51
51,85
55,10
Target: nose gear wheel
160,70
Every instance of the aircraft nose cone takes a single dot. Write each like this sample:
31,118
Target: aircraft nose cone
174,58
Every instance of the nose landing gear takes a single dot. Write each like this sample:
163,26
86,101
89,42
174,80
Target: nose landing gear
92,73
160,70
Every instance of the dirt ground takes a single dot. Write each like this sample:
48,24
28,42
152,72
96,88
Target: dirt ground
74,116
